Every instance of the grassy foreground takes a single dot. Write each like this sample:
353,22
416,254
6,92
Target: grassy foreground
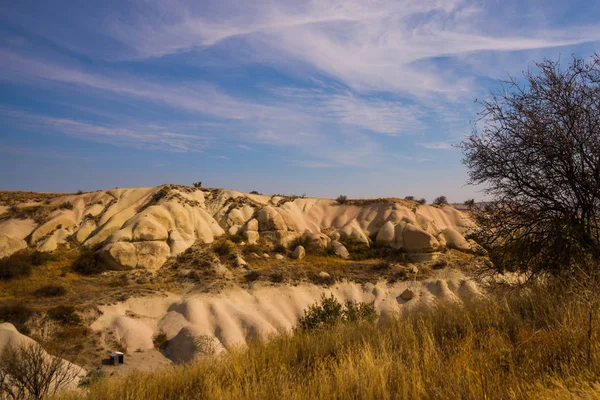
528,344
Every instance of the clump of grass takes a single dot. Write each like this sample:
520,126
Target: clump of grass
50,291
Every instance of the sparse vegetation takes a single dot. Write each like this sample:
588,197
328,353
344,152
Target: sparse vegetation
254,192
197,184
422,201
469,203
410,198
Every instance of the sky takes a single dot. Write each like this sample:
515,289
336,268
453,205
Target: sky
358,97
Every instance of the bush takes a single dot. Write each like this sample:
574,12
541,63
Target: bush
279,248
440,200
66,206
16,314
38,258
409,198
197,184
330,312
254,192
89,263
342,199
422,201
276,277
236,239
64,314
50,291
16,265
160,340
252,276
252,248
469,203
222,248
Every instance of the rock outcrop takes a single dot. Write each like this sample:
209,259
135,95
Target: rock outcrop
143,227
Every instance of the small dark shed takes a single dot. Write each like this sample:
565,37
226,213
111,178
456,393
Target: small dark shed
117,357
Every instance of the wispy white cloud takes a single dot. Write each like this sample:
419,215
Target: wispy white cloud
437,145
377,45
142,136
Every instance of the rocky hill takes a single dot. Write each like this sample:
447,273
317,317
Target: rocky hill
143,227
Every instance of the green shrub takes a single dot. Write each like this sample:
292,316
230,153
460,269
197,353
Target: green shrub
422,201
254,192
409,198
331,312
64,314
222,248
197,184
50,291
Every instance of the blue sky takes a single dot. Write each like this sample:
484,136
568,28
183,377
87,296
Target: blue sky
321,97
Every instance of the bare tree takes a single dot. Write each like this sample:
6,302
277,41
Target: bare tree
538,157
28,372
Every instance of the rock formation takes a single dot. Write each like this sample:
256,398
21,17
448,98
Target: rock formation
143,227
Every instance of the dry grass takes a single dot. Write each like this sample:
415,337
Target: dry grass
9,198
530,345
